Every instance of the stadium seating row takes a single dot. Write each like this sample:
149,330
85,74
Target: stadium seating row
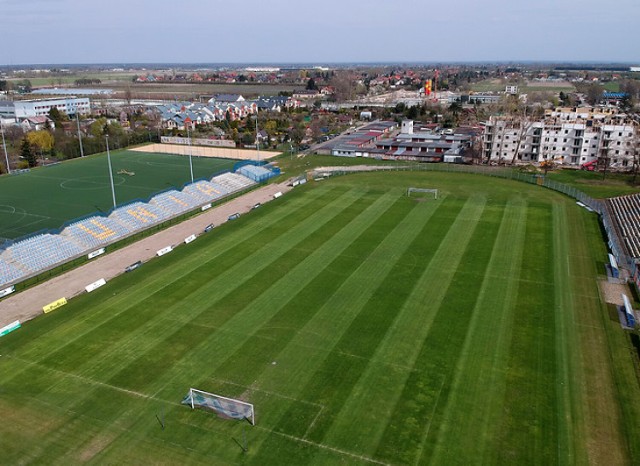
43,251
626,213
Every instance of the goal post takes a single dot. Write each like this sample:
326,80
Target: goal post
422,190
223,406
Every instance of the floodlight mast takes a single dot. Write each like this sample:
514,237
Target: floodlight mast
4,146
257,140
79,135
113,189
190,151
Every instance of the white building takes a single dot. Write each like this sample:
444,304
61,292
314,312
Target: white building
568,136
18,110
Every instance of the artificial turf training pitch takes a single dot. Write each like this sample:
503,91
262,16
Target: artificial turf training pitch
48,197
366,328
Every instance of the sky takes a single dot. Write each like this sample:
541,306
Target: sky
331,31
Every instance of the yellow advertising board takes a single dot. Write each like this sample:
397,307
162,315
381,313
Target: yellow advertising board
54,305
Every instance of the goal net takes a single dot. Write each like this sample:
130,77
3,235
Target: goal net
226,407
427,191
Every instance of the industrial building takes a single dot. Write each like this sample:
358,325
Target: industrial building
18,110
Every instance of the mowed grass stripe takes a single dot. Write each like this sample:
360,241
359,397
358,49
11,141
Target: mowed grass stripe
528,429
571,435
137,287
281,327
479,381
177,342
336,317
127,334
237,330
362,267
611,429
66,338
399,347
414,423
244,364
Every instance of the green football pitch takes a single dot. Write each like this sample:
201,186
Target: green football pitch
366,327
48,197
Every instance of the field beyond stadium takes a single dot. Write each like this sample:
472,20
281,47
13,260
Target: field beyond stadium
202,151
365,326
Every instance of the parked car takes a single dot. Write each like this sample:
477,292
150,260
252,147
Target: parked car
256,206
234,216
209,227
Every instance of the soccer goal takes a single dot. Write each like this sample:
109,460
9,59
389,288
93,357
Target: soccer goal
423,190
225,407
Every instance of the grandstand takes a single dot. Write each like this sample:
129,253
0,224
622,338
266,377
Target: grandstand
139,215
35,254
205,191
95,231
41,252
174,202
9,272
233,181
625,210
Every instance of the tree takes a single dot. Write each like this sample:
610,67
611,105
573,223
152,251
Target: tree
297,133
594,93
311,85
57,117
547,164
128,94
455,108
97,128
412,112
41,141
26,152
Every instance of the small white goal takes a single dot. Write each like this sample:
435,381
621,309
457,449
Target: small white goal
428,191
225,407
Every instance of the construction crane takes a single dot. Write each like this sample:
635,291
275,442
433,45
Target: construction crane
435,85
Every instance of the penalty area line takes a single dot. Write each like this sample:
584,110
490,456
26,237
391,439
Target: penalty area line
91,381
324,447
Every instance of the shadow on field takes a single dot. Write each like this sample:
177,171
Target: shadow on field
613,312
635,341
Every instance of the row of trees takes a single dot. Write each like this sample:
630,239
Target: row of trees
22,85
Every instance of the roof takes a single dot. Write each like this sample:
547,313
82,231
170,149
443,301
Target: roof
37,120
228,98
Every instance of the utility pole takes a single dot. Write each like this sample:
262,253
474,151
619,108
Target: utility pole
4,146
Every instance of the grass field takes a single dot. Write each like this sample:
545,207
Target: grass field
49,196
593,184
365,326
497,85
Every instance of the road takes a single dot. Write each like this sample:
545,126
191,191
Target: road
29,303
